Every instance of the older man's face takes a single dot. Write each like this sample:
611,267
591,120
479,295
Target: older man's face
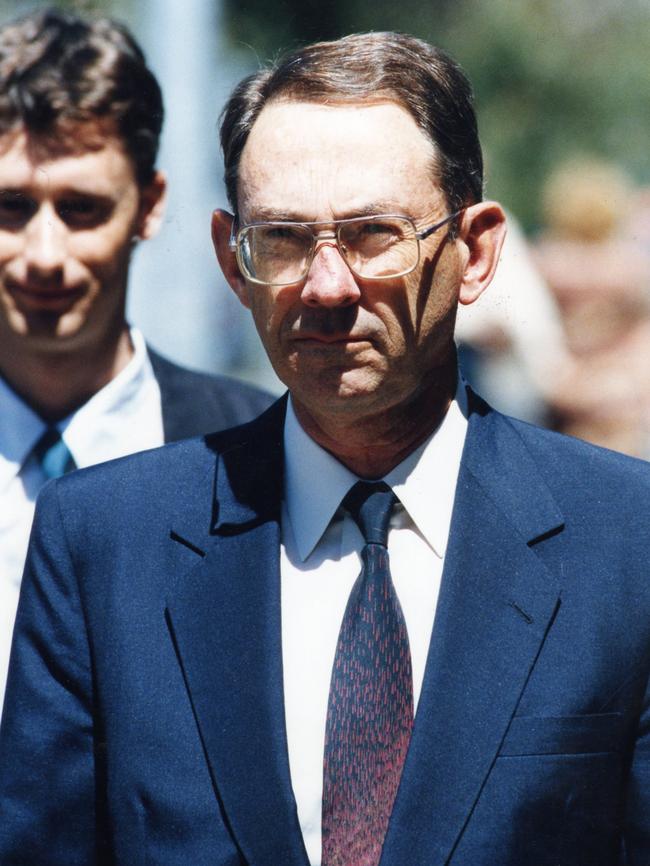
341,343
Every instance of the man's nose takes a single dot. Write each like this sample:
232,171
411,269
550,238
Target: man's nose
330,282
45,243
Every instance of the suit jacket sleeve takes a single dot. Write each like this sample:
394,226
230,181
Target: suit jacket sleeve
47,739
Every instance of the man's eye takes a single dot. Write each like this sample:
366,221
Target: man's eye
81,212
16,209
371,234
371,229
280,239
282,233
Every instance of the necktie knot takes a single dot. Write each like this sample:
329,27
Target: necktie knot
53,455
369,504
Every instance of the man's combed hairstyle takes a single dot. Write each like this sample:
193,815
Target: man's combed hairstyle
58,71
420,77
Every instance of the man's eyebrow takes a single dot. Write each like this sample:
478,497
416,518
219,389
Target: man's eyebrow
81,192
267,214
377,208
69,191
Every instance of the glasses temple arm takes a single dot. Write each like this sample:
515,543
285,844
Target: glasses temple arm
422,235
232,240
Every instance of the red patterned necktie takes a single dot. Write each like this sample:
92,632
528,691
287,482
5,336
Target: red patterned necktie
370,710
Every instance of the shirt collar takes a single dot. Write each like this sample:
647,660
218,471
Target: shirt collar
87,432
425,482
100,430
20,429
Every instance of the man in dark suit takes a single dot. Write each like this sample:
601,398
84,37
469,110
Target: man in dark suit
80,117
201,675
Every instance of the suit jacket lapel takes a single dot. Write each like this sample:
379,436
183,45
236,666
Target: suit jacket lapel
225,621
496,604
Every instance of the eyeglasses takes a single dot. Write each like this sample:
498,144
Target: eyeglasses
375,248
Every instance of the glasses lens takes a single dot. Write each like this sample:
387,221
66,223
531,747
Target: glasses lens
379,246
275,253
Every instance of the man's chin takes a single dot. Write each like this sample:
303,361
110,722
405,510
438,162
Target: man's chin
353,392
45,330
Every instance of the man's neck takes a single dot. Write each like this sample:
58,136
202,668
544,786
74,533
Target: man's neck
54,384
372,445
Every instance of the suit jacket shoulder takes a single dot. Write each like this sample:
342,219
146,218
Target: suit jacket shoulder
198,487
195,403
579,475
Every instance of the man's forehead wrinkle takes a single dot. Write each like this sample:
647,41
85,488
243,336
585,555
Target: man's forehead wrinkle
43,174
308,162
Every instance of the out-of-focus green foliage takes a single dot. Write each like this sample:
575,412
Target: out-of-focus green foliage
552,78
120,9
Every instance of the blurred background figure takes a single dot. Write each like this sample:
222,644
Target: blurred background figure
637,221
600,277
511,340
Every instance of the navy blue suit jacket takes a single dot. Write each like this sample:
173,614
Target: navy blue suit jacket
196,403
144,721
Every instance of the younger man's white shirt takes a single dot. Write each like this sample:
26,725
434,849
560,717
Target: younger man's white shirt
320,561
125,416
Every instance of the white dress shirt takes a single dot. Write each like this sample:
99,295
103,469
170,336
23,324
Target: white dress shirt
320,561
123,417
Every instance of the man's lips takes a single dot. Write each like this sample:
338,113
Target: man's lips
38,298
329,339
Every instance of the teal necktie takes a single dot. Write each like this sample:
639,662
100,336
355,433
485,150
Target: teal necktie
53,455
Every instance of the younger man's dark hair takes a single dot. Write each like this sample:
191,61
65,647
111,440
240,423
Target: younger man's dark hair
58,71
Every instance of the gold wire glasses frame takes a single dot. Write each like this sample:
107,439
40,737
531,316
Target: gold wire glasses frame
279,253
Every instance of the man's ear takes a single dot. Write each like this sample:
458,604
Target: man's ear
221,231
482,231
153,199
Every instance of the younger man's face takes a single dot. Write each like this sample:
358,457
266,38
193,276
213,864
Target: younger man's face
67,226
